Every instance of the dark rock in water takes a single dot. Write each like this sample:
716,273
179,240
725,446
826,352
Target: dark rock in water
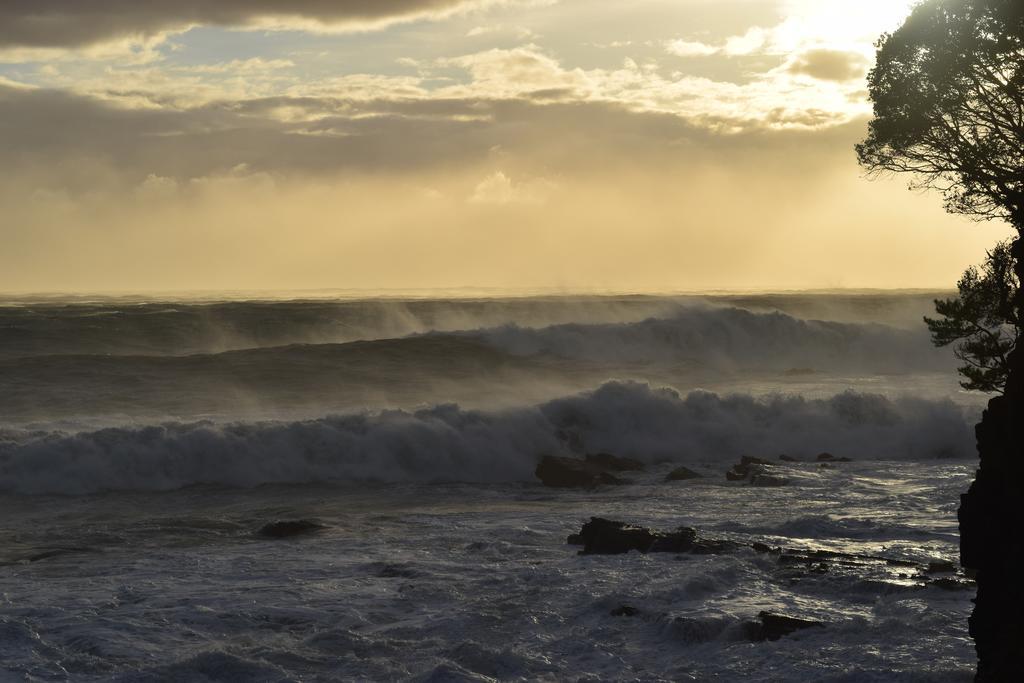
747,468
681,474
826,466
574,539
614,463
559,472
605,537
397,571
950,583
768,480
774,626
625,611
290,528
825,457
941,567
787,458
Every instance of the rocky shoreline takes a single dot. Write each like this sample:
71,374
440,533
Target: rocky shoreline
600,536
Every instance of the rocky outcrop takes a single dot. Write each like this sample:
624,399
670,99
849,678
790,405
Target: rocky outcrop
771,626
991,516
601,536
559,472
604,537
757,471
681,474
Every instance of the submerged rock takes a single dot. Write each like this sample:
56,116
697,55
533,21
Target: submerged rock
768,480
828,457
788,458
752,469
681,474
774,626
398,571
559,472
289,528
951,583
625,611
614,463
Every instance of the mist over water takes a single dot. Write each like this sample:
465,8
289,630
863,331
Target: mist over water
159,395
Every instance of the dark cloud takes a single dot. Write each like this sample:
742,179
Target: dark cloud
64,138
830,65
75,23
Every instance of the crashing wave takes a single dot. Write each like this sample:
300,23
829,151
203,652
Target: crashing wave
449,443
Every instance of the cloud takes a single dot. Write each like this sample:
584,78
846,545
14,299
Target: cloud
244,66
74,141
503,73
644,202
498,188
690,48
830,65
231,194
518,32
79,23
755,41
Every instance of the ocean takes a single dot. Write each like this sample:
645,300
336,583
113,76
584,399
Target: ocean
144,442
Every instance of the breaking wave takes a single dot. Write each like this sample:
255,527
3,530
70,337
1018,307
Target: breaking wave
449,443
730,339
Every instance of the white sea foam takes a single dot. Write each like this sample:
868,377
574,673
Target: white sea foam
731,339
449,443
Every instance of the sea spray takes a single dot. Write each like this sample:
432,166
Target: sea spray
450,443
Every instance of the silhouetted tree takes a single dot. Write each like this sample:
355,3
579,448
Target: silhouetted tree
981,321
948,95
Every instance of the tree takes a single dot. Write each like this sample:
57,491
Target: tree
982,321
948,95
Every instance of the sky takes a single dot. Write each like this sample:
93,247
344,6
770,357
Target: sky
408,145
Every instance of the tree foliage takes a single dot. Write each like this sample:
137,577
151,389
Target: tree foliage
948,94
982,321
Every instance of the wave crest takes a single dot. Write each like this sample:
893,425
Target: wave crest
449,443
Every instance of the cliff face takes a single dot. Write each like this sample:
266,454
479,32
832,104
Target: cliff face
992,526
